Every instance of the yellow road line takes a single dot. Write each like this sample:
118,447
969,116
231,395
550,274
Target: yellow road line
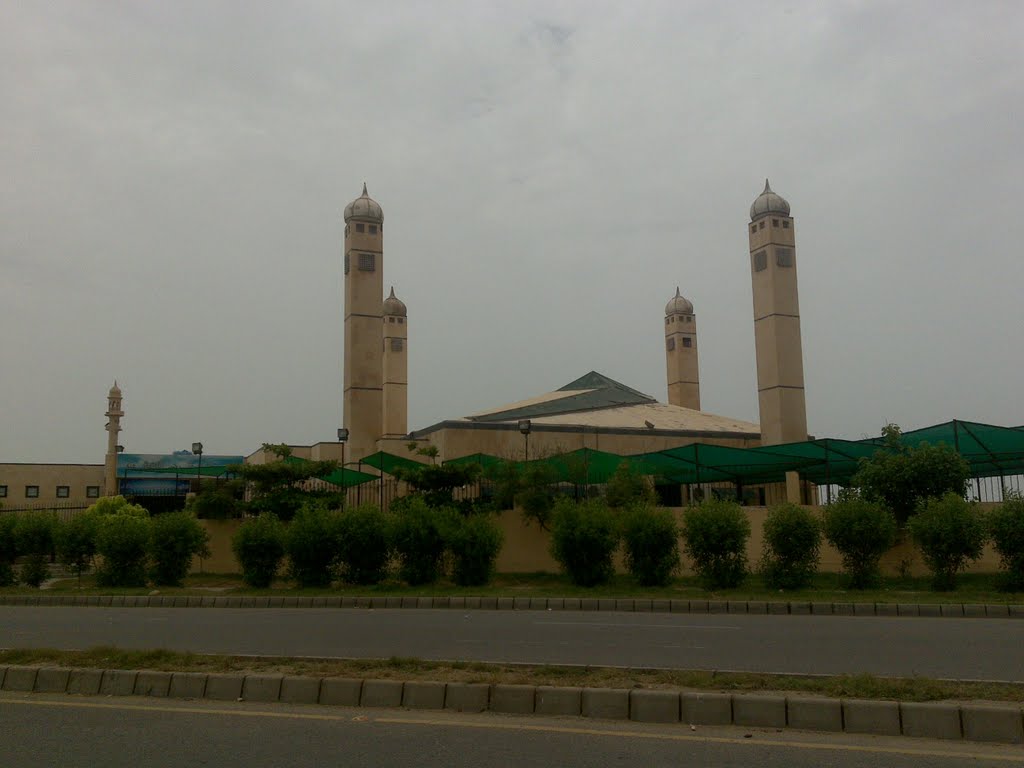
457,722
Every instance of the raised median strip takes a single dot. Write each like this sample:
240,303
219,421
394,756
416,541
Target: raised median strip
983,722
629,605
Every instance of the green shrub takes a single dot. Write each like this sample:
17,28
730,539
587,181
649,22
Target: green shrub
177,537
217,500
583,539
792,544
715,534
122,542
364,544
536,493
419,540
950,532
651,541
8,548
862,531
1006,527
258,545
474,542
34,533
311,542
76,542
627,487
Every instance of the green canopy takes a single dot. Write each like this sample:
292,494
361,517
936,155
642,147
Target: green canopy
388,462
485,460
348,478
582,466
826,460
702,463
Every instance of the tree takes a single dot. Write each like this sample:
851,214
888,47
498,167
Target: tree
716,533
584,536
627,487
792,542
901,476
176,538
217,500
862,531
1006,527
951,533
436,483
259,546
76,542
651,540
277,486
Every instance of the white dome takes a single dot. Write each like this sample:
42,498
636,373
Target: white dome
364,207
769,202
678,305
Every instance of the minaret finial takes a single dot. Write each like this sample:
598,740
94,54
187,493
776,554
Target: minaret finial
392,296
677,292
365,193
767,188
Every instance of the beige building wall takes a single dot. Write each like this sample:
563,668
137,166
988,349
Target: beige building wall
364,294
780,376
84,484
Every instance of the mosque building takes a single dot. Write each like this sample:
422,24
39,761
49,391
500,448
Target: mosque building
593,411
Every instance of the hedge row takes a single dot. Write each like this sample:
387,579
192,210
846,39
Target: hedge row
361,545
121,540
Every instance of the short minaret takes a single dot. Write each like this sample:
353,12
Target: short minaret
396,367
113,414
364,292
780,364
681,353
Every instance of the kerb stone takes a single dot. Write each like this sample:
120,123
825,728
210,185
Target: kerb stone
764,711
187,685
340,691
381,693
118,682
654,706
932,720
814,714
989,723
224,687
423,694
707,708
556,700
467,697
881,718
52,680
605,703
85,682
20,679
262,687
300,690
512,699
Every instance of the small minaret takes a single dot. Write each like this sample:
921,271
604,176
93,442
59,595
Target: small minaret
396,367
364,292
780,364
113,414
681,353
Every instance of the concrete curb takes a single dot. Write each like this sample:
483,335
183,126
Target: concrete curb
628,605
983,722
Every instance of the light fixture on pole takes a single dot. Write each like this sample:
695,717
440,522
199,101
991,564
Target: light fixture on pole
524,429
343,438
197,449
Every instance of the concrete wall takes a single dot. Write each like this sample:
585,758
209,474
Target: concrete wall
527,549
77,477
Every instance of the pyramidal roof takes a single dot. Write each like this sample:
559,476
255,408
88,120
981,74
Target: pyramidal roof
589,392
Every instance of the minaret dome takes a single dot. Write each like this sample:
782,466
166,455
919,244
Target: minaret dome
768,202
679,305
364,208
394,306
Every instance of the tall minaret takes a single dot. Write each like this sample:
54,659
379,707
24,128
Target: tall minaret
396,367
113,414
364,292
780,364
681,353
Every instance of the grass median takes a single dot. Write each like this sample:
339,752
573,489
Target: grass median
826,587
837,686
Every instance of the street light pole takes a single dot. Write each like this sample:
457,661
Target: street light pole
197,449
343,438
524,429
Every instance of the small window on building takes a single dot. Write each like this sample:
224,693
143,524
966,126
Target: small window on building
391,318
753,229
401,320
775,223
346,263
397,345
63,491
761,261
373,229
366,262
31,491
3,491
784,257
785,225
761,225
92,491
687,342
360,227
670,344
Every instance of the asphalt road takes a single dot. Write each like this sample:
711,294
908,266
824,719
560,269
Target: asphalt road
972,649
45,731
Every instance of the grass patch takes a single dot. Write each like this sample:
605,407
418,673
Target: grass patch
838,686
826,587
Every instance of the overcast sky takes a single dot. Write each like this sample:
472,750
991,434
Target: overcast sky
174,175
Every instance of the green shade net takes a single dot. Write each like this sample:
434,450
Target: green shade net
990,450
348,478
824,461
485,460
388,462
582,466
701,463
